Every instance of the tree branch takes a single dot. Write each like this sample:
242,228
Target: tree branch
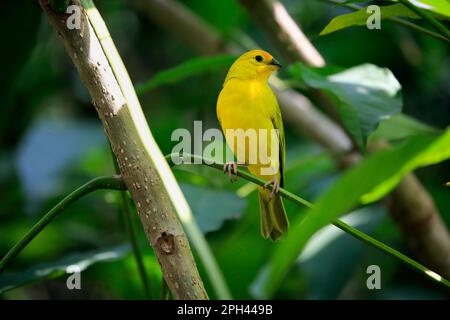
432,240
144,170
290,40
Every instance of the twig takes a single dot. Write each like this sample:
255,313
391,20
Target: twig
416,27
397,20
428,18
189,158
132,234
164,295
111,183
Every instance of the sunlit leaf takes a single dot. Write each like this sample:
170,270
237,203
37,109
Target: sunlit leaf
359,18
437,6
375,174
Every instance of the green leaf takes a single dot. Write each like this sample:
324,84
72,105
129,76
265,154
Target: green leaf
213,207
441,7
359,18
186,69
369,176
40,272
364,95
435,153
401,126
350,1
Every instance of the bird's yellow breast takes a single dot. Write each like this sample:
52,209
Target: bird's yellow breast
248,104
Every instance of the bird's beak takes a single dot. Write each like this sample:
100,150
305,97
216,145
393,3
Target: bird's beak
274,62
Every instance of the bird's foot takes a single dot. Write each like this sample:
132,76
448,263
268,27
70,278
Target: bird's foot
231,168
275,186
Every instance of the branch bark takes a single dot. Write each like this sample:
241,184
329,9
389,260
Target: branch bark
289,40
411,205
143,168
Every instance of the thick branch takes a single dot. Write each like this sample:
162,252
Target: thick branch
290,40
143,168
430,242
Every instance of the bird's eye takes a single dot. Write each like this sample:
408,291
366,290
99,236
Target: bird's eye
258,58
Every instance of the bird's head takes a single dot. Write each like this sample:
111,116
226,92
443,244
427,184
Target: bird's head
252,65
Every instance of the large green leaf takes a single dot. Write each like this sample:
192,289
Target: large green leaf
187,69
373,174
205,206
40,272
364,95
359,18
401,126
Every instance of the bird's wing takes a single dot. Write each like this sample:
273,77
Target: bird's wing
277,122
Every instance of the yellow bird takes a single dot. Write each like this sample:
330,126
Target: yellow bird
248,110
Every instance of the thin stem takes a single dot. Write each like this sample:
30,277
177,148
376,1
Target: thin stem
392,252
427,17
164,295
195,159
397,20
111,183
132,234
416,27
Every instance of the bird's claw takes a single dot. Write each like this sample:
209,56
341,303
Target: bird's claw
231,168
275,187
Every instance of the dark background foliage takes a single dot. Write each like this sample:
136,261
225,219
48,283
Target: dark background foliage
51,142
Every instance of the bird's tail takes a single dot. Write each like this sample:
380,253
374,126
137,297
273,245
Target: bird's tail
274,221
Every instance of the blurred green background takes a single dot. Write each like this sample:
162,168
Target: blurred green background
51,141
